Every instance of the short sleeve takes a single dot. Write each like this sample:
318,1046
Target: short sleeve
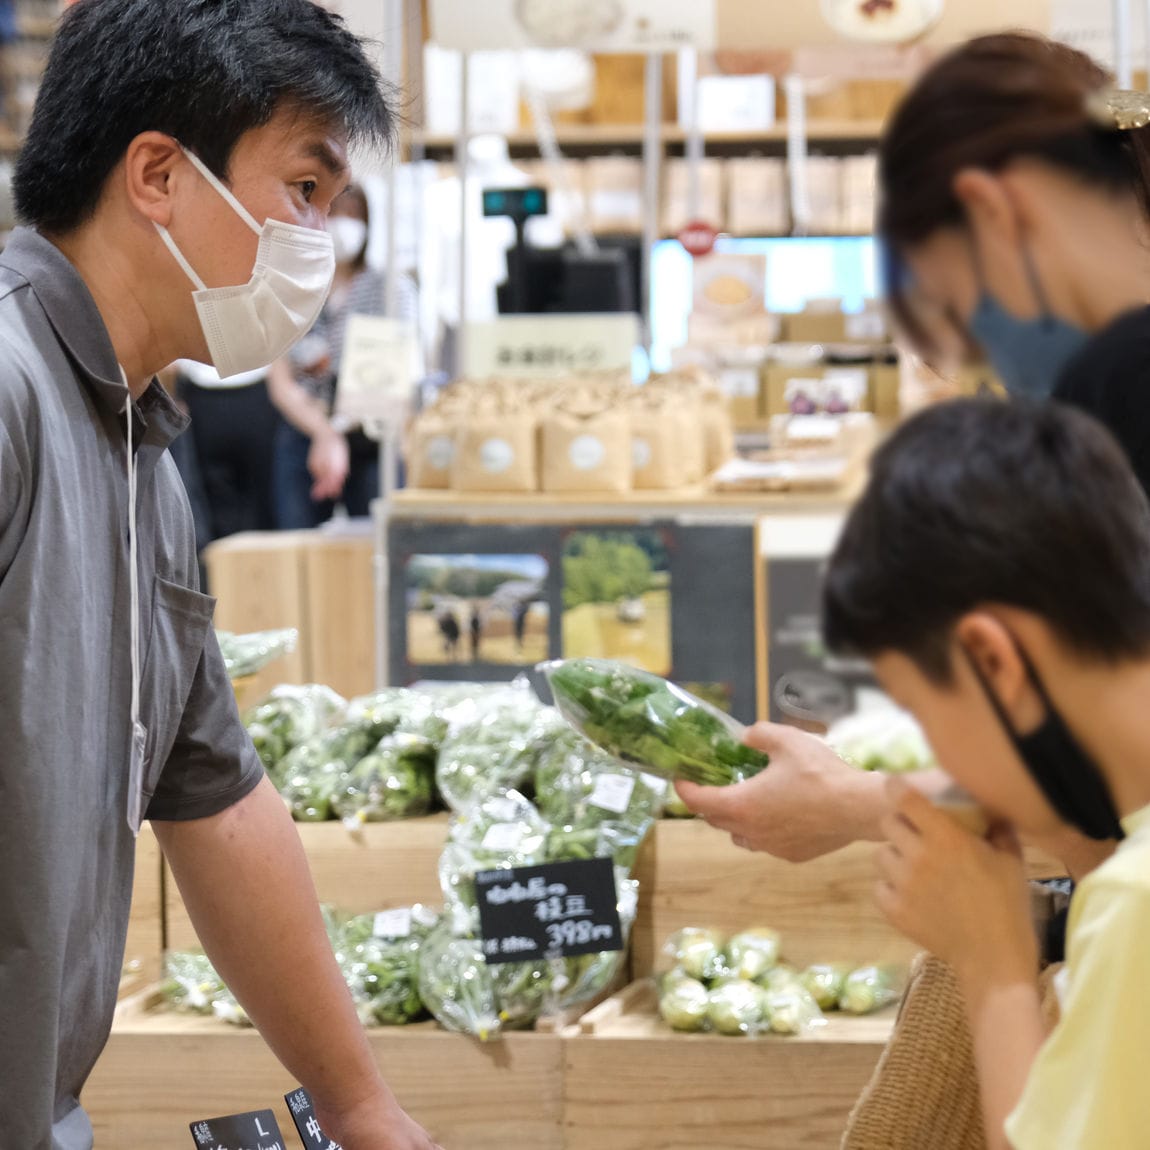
212,764
11,496
1087,1088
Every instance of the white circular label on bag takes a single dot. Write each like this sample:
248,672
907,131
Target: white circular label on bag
640,454
440,452
496,456
587,453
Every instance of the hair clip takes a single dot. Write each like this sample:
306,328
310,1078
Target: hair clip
1119,110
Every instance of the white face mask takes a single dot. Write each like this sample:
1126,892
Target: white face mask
348,236
252,324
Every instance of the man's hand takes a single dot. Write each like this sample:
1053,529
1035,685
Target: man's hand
376,1124
807,803
328,462
964,898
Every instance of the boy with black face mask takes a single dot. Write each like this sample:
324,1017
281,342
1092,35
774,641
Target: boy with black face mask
997,572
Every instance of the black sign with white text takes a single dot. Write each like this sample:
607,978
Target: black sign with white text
257,1130
557,910
302,1110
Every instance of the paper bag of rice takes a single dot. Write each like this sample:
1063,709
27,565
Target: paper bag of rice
495,449
586,446
656,457
431,448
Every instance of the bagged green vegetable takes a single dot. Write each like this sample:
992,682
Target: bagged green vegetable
395,781
684,1004
793,1010
750,954
699,953
314,772
642,719
738,1007
249,654
869,989
675,808
884,739
826,982
193,986
455,984
289,717
401,710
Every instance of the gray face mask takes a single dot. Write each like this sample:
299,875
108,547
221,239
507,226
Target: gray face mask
1029,355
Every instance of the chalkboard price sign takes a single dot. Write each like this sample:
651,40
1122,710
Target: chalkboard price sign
257,1130
557,910
303,1115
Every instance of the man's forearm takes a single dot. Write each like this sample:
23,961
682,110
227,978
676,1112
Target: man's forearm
246,884
1006,1021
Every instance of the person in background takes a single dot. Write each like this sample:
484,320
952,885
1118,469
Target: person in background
476,631
233,436
320,460
1003,598
1015,190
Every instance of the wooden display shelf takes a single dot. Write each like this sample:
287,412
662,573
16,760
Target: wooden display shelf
162,1070
144,949
381,866
631,1083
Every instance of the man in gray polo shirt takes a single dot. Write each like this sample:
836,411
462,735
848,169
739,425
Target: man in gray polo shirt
178,147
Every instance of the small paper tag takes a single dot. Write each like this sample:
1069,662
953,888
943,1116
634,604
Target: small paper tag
138,760
656,784
503,837
256,1130
505,809
612,793
302,1110
393,923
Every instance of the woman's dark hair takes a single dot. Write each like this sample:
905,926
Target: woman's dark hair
203,71
355,197
985,501
991,101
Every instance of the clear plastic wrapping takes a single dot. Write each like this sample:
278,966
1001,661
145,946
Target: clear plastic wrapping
249,654
647,721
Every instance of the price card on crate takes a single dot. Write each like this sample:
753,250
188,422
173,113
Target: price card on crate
556,910
303,1115
378,371
256,1130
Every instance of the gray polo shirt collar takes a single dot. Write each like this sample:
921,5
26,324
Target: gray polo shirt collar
76,319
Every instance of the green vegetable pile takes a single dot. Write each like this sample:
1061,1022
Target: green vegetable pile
738,986
288,717
884,739
642,719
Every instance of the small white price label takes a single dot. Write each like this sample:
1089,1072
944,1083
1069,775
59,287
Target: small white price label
393,923
612,793
503,837
656,784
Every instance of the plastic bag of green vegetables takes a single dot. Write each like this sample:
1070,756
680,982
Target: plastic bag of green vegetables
826,982
684,1002
870,988
192,985
501,832
315,771
615,840
884,739
750,954
642,719
738,1007
379,957
400,710
249,654
394,781
699,953
455,984
675,808
792,1009
288,717
578,785
490,748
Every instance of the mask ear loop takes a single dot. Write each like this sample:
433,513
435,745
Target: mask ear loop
1032,278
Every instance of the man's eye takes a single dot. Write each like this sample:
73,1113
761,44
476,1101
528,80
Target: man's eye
308,188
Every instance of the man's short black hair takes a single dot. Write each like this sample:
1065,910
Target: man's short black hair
982,501
204,71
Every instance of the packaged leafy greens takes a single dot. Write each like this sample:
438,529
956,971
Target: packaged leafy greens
752,953
870,988
826,982
192,985
401,710
249,654
684,1004
738,1007
394,781
641,719
455,984
884,739
316,770
288,717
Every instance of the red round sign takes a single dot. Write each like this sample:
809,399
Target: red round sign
698,238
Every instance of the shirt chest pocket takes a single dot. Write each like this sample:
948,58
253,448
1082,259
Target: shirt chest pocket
180,621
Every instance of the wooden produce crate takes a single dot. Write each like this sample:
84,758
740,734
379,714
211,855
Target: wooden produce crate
634,1084
383,865
162,1070
144,951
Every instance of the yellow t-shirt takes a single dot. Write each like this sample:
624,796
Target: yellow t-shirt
1089,1088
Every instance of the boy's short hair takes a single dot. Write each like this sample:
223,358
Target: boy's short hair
982,501
203,71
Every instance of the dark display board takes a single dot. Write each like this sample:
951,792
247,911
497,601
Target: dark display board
677,598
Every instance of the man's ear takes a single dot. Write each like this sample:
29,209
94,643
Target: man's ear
152,165
993,654
999,239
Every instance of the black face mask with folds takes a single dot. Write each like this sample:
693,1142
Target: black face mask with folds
1065,773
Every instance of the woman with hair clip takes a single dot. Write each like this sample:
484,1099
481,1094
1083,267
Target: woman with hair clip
1015,219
